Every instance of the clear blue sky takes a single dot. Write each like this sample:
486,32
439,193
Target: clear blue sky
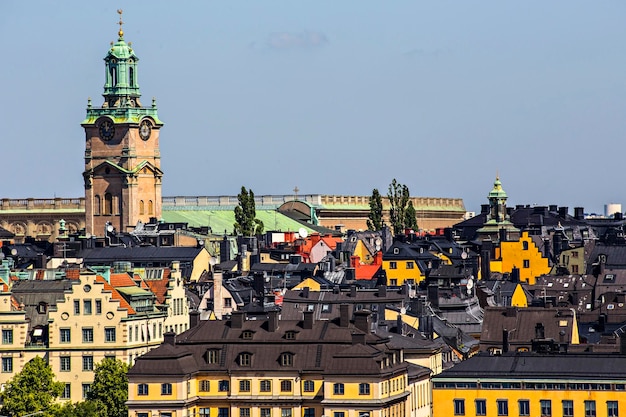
336,97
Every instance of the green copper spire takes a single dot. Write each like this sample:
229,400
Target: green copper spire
121,89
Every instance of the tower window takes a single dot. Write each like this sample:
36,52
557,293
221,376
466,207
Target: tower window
108,204
113,73
141,207
96,205
131,76
150,207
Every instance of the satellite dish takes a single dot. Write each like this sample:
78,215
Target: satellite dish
212,261
14,252
463,255
403,310
303,233
109,228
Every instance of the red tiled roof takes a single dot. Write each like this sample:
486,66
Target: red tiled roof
122,280
159,287
116,295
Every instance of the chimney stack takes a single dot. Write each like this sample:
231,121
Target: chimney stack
169,338
272,321
194,318
307,323
344,315
236,319
362,320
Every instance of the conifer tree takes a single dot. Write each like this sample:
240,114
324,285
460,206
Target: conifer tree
375,217
246,223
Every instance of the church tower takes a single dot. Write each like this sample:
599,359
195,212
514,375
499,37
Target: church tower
122,159
498,226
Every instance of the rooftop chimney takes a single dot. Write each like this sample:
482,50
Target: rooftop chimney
344,315
539,331
236,319
362,320
169,338
194,318
272,321
579,213
307,323
353,291
382,291
305,292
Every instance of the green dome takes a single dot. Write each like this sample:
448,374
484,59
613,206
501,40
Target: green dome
497,191
121,50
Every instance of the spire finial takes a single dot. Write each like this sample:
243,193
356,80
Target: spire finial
121,32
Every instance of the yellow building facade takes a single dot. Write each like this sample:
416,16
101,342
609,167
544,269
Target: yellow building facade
272,368
533,385
87,322
522,254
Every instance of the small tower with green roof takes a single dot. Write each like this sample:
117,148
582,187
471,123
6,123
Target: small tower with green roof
122,159
498,220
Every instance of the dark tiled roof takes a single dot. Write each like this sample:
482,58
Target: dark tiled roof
108,255
537,366
326,347
520,324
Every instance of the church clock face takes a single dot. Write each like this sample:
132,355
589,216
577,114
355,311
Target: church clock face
145,129
107,130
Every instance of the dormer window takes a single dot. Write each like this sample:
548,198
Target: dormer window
247,335
286,359
290,335
212,356
245,359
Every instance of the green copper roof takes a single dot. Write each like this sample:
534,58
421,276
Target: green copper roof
220,220
121,87
497,191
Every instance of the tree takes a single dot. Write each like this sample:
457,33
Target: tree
30,390
375,218
82,409
110,387
410,217
398,199
246,222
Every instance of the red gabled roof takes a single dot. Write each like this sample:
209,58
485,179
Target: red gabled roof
331,241
159,286
122,280
116,295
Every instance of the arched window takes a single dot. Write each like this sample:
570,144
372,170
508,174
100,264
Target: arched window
113,72
96,205
150,207
131,76
108,204
141,207
116,205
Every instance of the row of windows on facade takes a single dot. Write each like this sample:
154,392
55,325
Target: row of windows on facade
545,408
65,334
245,385
263,412
110,205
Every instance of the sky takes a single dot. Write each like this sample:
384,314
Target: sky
334,97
